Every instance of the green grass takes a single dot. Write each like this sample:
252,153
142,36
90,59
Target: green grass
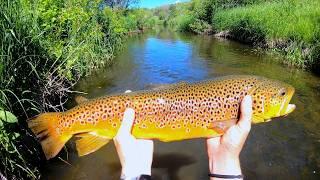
45,47
287,27
19,56
290,27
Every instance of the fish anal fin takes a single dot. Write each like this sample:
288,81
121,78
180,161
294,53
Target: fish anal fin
221,126
90,143
80,99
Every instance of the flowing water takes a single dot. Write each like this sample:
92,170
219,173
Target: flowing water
286,148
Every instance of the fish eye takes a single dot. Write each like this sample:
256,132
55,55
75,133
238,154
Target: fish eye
282,93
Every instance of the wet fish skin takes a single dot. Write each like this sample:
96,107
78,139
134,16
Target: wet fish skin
176,112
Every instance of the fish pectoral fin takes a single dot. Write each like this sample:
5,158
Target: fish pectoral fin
258,119
81,99
221,126
90,143
82,135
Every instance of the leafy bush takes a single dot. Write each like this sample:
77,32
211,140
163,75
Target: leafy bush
70,33
184,23
200,27
151,22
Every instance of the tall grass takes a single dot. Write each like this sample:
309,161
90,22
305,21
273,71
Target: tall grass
19,57
45,47
196,16
291,27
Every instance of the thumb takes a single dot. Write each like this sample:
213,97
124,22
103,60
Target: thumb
127,121
244,122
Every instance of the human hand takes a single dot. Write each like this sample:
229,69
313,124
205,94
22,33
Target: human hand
224,151
135,154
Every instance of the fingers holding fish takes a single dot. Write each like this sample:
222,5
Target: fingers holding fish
126,125
244,122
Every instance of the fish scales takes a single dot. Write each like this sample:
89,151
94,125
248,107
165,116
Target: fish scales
182,109
176,112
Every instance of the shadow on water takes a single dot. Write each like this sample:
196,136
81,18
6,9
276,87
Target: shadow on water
172,163
166,166
286,148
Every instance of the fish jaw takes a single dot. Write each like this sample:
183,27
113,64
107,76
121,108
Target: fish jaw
288,108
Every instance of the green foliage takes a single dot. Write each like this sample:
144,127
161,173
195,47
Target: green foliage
184,22
70,32
200,27
14,164
178,16
289,27
292,27
151,22
203,10
20,55
121,22
6,116
45,46
196,16
114,21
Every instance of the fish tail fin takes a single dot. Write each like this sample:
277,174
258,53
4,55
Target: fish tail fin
45,128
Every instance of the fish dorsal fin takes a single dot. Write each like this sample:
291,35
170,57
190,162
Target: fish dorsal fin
90,143
80,99
221,126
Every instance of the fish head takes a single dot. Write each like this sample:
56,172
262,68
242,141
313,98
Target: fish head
271,99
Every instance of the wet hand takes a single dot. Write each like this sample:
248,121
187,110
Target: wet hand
135,154
224,151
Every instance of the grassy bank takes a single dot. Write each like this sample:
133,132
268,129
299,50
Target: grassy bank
45,47
287,27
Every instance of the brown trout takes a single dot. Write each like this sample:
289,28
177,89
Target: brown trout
176,112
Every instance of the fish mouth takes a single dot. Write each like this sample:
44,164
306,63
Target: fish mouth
289,109
286,107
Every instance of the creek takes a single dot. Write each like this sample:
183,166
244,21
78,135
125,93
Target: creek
285,148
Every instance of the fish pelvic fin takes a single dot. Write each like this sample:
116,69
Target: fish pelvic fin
90,143
222,126
45,128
